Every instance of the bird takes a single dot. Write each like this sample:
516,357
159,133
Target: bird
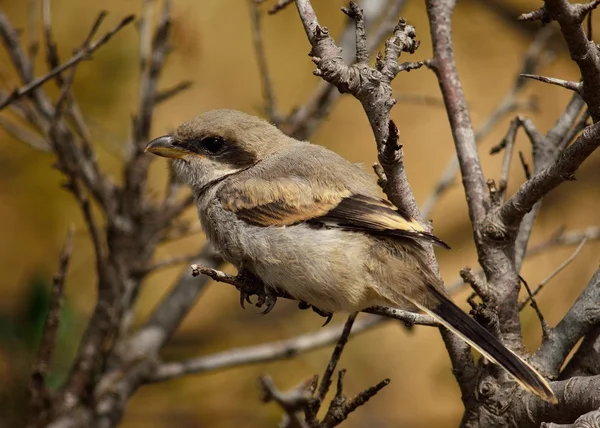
305,220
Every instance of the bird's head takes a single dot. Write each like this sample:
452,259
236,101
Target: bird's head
216,144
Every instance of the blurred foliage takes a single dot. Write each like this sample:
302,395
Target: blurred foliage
213,47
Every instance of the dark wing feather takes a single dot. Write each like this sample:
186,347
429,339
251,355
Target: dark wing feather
378,216
289,201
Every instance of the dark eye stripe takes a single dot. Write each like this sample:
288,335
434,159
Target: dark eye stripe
213,145
206,146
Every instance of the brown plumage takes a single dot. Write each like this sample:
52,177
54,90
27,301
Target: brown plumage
305,220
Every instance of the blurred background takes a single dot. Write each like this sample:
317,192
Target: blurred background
213,47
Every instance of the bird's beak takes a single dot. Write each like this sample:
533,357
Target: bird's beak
165,146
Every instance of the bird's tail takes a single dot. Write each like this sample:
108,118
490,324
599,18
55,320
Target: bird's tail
457,321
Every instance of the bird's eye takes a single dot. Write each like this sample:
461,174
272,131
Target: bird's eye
213,145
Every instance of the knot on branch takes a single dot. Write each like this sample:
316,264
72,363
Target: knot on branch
348,79
494,229
391,149
402,40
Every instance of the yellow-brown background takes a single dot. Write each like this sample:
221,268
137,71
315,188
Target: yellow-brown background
214,49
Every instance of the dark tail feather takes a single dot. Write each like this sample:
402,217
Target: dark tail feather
457,321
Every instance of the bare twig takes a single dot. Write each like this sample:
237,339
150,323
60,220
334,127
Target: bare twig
263,68
75,59
561,238
444,66
531,61
555,272
24,135
536,308
525,166
584,54
564,169
333,361
304,120
479,287
281,4
508,144
40,396
341,407
167,94
292,402
545,151
283,349
572,86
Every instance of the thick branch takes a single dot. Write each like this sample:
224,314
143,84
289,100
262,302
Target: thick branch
443,64
581,318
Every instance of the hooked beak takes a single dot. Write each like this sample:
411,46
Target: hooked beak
166,147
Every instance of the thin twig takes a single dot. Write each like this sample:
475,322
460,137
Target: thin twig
340,407
410,318
75,59
508,144
24,135
40,396
536,308
167,94
525,166
555,272
263,68
283,349
531,61
292,402
572,86
333,361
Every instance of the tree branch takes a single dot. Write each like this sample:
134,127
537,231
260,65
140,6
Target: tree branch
74,60
562,170
40,395
581,318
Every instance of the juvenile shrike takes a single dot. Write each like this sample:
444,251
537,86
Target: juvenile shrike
306,221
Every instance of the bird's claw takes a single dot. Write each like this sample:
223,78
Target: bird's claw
269,300
251,285
244,297
329,315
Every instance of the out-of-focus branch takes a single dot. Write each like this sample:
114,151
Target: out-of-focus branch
555,272
40,395
154,49
74,60
263,69
282,349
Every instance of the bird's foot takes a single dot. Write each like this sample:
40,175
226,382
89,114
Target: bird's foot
253,286
303,305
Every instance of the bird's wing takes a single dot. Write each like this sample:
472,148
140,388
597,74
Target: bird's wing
293,200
